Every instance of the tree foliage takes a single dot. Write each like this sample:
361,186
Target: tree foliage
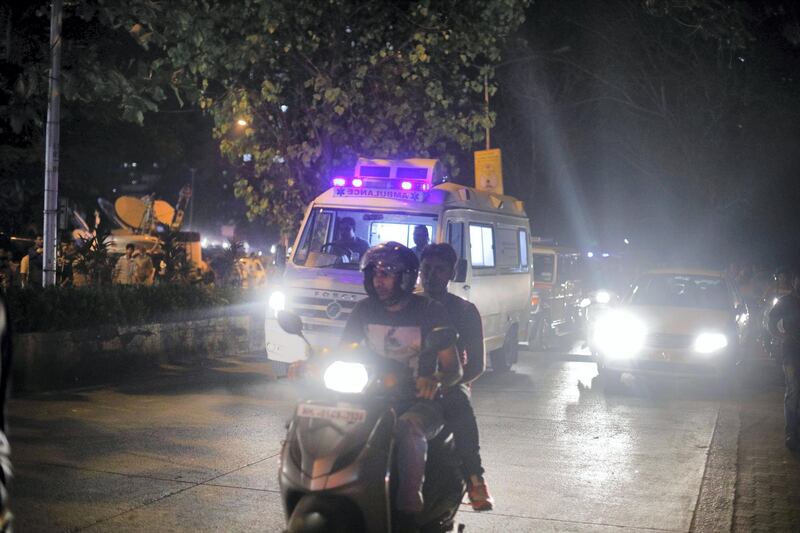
319,83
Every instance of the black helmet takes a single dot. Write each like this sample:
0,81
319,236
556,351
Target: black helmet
393,257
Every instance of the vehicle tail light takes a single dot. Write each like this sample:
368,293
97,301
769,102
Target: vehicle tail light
534,300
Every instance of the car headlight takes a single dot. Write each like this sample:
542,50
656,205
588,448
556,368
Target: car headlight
277,301
619,334
710,342
586,302
341,376
602,297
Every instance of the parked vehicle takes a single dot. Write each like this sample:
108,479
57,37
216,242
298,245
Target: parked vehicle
337,468
555,292
677,321
384,201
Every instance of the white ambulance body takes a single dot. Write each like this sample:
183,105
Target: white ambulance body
387,199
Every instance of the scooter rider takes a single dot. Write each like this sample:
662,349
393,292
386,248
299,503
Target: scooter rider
392,322
436,270
784,322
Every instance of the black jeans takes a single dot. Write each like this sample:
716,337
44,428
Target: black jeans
791,401
459,418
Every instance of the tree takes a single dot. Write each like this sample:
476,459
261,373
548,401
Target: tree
315,84
105,75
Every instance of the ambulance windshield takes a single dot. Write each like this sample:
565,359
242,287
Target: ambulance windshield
338,238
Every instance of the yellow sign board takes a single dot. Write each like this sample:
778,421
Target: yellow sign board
489,171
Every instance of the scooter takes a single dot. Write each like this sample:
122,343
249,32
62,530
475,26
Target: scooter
337,465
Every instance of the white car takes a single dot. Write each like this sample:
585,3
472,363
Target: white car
678,321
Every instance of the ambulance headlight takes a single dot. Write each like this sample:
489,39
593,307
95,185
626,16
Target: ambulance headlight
342,376
277,301
619,334
710,342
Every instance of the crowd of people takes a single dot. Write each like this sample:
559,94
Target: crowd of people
135,267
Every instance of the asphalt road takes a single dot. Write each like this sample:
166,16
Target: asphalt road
195,449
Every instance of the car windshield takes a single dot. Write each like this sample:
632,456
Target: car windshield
338,238
681,290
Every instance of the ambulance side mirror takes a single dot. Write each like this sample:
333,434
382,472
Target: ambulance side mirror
461,271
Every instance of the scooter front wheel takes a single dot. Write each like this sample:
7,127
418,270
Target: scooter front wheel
315,514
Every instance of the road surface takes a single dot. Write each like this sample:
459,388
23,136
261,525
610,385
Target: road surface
196,449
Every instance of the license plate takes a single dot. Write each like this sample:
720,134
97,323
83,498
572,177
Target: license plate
338,414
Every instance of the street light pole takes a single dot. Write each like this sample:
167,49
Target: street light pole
52,136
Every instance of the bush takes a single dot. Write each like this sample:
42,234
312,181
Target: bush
57,308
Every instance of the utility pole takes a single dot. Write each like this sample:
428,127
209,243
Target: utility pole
52,135
486,108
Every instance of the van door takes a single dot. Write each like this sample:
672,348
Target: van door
485,291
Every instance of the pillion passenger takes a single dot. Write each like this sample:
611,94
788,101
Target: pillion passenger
784,322
437,269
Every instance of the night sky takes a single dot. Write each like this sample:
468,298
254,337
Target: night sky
676,129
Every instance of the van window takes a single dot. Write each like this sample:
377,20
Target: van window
523,249
392,231
507,248
543,265
481,244
455,237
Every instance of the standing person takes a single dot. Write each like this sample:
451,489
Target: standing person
30,268
7,274
421,240
437,269
393,323
125,269
145,271
784,322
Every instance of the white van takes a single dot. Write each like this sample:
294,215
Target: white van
387,199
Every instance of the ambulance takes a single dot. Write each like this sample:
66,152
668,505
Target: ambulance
385,200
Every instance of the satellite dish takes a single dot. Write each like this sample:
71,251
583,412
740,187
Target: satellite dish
164,212
108,209
130,210
79,222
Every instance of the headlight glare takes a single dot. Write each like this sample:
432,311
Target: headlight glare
619,334
602,297
277,301
341,376
710,342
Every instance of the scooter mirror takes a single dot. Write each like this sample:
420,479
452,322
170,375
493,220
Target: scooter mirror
440,338
290,323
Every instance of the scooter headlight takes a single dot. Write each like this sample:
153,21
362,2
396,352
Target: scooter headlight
341,376
710,342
